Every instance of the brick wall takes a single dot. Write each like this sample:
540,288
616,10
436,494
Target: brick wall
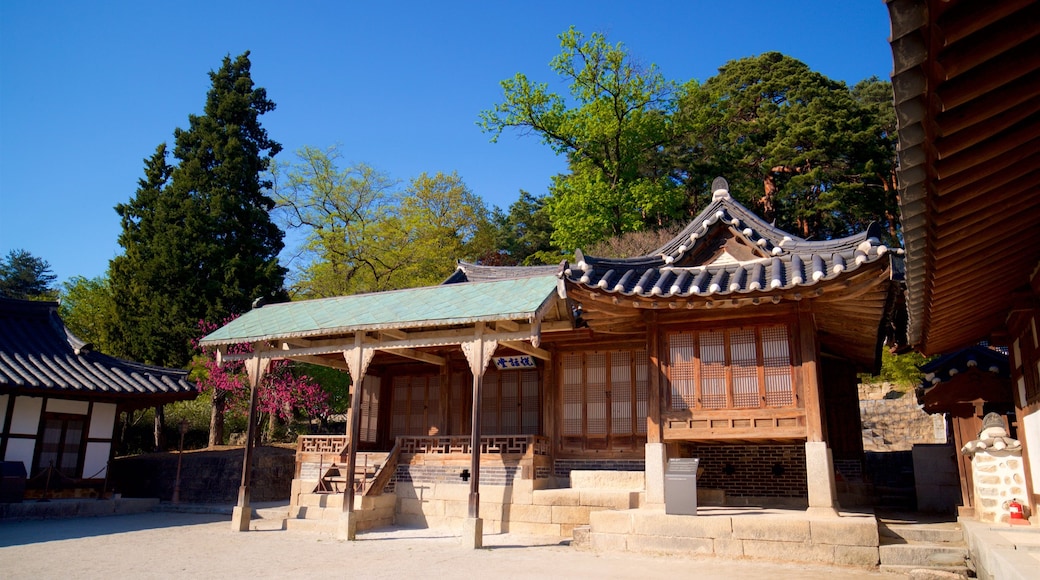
752,470
489,474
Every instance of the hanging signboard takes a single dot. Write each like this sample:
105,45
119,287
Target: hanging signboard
514,362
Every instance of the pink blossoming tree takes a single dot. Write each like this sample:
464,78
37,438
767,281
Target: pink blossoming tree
282,392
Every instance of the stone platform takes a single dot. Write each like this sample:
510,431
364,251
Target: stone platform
757,533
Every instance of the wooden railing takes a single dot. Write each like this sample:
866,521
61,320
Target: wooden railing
320,450
502,444
376,485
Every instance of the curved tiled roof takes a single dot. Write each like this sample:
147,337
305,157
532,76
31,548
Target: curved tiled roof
39,356
469,272
691,266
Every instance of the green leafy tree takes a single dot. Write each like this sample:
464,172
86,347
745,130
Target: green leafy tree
804,150
612,133
26,277
88,310
524,235
198,240
362,233
438,222
339,211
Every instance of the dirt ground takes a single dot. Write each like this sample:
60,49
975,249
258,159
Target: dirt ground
177,545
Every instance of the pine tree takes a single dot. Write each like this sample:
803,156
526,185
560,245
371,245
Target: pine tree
198,237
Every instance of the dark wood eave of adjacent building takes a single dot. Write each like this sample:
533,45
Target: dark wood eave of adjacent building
966,83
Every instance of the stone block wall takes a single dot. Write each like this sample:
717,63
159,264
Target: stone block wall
207,476
896,423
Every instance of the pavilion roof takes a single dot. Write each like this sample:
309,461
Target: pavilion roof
525,299
728,251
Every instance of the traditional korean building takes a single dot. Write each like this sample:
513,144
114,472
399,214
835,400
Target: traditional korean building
736,343
60,399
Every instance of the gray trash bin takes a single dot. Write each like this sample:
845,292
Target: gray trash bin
680,486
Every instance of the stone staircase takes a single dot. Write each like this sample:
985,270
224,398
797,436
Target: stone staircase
366,468
912,543
317,506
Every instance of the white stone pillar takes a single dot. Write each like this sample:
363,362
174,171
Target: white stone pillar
655,463
819,471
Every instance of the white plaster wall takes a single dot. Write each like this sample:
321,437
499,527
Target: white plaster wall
26,420
102,421
95,462
1031,435
3,409
66,406
21,450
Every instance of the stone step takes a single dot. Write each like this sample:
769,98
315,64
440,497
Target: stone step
923,555
594,479
918,533
320,526
617,499
929,573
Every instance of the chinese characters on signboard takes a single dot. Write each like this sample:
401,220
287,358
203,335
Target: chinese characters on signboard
514,362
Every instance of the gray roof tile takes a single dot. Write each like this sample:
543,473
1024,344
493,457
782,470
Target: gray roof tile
779,261
39,356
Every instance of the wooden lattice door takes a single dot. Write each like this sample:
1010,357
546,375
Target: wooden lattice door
605,400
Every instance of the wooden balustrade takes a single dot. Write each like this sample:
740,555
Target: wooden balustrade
491,444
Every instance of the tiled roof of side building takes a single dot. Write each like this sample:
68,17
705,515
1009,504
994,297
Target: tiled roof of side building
470,272
40,356
727,250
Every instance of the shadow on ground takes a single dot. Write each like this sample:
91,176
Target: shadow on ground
18,533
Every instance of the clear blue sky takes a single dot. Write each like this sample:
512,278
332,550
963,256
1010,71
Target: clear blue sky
89,89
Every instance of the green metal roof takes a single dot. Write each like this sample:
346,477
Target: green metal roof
443,305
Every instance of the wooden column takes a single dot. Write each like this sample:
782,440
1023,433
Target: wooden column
357,359
240,515
655,397
478,353
810,372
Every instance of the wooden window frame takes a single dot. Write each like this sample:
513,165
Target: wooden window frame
693,370
81,448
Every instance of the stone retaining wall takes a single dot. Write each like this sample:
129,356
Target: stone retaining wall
207,476
840,541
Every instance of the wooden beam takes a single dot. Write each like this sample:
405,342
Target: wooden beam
394,334
527,349
506,326
417,355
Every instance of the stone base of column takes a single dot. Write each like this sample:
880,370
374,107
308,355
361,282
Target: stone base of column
819,471
473,533
347,526
655,462
241,513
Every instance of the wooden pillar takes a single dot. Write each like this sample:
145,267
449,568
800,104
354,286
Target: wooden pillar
478,353
240,515
656,398
357,359
810,371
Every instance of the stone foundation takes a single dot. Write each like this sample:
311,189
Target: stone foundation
851,540
999,477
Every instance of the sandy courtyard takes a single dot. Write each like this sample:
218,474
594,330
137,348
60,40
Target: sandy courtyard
175,545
